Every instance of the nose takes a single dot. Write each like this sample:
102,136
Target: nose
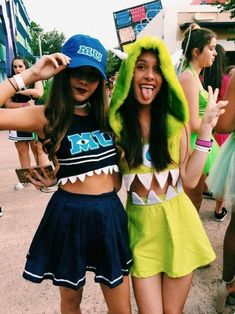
149,74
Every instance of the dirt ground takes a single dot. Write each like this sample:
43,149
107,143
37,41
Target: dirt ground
22,212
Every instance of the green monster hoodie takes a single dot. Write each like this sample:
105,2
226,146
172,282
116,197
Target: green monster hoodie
178,108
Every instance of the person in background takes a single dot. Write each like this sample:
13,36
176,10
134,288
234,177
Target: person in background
24,141
221,182
84,227
199,50
149,114
216,77
230,70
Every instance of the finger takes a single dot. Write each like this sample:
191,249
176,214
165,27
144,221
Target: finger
35,182
215,95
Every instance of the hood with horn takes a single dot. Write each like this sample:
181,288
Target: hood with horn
178,108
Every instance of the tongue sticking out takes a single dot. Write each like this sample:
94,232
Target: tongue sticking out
147,93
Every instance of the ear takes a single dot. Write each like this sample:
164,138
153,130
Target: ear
196,52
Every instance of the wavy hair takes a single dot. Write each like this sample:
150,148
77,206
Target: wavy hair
60,108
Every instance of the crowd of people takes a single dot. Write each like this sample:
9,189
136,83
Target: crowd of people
156,133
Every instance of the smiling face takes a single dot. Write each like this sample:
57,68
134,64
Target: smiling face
147,80
83,82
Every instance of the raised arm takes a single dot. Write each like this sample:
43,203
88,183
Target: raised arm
192,163
46,67
226,123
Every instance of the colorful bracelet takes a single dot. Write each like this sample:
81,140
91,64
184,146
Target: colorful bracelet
202,148
19,81
204,143
12,85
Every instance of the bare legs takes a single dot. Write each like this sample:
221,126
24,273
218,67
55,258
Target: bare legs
161,294
117,299
24,155
228,285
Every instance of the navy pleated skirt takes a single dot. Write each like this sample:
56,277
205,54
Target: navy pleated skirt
80,232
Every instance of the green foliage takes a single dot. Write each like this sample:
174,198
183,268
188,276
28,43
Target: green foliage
50,41
113,64
47,86
229,5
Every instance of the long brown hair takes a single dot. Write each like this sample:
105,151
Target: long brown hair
59,112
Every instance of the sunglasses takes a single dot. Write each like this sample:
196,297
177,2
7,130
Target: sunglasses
90,74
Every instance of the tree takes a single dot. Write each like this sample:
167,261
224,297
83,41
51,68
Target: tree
113,64
228,5
50,41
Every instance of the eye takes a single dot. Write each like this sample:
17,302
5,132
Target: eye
140,66
146,156
82,142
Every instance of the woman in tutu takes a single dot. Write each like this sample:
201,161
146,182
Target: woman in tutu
222,185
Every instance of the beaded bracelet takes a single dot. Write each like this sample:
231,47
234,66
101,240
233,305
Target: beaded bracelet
202,148
204,143
12,85
19,81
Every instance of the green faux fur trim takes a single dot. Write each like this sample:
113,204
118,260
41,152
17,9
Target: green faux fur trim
177,101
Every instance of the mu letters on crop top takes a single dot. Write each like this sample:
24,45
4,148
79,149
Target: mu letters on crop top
85,150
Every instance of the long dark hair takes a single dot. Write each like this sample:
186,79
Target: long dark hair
132,141
212,76
59,112
24,60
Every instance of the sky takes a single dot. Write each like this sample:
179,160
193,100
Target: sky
90,17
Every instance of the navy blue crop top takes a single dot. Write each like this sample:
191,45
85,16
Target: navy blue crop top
85,150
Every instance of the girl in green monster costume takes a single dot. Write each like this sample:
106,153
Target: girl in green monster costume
199,48
149,115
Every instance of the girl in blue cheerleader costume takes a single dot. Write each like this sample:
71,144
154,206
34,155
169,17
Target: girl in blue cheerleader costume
84,227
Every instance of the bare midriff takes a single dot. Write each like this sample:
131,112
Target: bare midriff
93,185
139,189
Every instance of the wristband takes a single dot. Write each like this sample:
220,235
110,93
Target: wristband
19,81
12,85
204,143
202,148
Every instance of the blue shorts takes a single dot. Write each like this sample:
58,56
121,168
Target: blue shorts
80,232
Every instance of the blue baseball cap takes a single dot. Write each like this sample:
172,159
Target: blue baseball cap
85,51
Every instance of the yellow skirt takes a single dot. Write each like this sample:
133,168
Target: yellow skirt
167,237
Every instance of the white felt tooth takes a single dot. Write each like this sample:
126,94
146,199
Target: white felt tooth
153,198
64,180
179,186
81,177
90,173
98,171
174,175
146,179
106,170
162,177
128,179
116,169
73,179
170,193
111,169
136,199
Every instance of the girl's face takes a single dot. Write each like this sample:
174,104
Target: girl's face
83,82
207,57
147,80
18,66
